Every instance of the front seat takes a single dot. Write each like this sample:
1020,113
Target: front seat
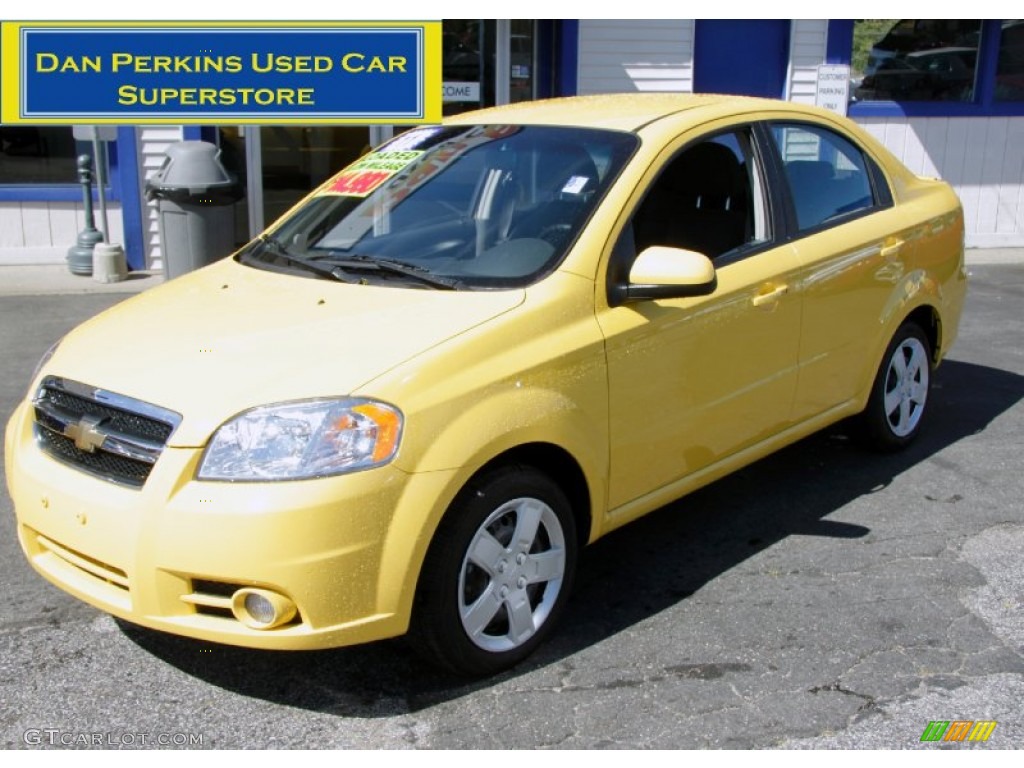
699,203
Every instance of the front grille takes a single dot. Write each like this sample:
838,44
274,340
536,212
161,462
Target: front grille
105,434
123,421
101,463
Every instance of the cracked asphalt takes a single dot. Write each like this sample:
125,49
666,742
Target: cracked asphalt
822,598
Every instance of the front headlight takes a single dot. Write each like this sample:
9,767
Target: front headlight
311,438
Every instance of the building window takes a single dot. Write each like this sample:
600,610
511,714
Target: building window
524,69
31,155
1010,69
934,67
915,59
467,64
471,68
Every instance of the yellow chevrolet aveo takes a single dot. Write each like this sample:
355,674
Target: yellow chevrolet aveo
408,405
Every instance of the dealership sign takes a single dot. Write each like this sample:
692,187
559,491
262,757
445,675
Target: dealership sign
178,72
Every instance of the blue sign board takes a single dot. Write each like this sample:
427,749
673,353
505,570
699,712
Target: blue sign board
223,74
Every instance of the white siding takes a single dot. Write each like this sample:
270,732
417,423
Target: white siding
41,232
11,233
1010,197
153,142
982,157
808,40
635,55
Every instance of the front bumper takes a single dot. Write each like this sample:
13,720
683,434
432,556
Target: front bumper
346,550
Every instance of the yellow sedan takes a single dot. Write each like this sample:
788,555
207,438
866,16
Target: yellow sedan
408,405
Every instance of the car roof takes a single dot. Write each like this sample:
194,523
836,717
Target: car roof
623,111
669,114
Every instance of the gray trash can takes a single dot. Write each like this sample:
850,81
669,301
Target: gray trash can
196,203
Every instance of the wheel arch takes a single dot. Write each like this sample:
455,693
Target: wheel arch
886,427
552,460
563,469
404,555
925,315
928,319
917,297
438,620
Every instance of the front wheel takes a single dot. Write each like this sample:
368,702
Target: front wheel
497,574
899,395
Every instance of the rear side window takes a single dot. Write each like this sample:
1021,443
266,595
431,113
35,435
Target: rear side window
828,176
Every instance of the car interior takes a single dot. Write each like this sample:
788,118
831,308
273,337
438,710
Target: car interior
703,201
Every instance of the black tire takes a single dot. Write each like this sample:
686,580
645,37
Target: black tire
899,398
486,600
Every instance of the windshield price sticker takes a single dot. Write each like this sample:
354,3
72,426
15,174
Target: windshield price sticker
574,185
368,173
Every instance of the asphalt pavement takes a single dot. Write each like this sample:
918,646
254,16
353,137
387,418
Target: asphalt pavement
823,597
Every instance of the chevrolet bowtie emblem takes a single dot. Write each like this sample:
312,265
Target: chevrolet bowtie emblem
86,434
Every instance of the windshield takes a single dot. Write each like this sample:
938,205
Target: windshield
490,206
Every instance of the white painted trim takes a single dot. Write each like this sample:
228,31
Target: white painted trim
788,90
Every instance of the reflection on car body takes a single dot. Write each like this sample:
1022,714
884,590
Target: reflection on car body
407,406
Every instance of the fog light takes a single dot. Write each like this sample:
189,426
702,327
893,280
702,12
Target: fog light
261,608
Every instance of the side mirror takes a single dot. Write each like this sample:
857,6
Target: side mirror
660,272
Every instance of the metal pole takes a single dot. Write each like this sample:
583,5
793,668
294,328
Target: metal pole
254,178
380,133
80,254
101,181
503,61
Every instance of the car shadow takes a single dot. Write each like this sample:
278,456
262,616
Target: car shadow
628,576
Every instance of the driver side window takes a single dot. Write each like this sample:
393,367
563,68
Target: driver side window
709,199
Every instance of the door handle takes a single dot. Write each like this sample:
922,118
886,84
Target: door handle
770,297
892,250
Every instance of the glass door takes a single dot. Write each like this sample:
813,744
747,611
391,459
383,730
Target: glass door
280,164
294,160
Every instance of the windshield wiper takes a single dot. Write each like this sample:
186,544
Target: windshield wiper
361,261
336,268
332,271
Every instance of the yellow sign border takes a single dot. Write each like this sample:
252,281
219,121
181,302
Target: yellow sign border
10,73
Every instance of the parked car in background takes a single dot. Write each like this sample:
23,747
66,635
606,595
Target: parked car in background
942,74
409,404
909,36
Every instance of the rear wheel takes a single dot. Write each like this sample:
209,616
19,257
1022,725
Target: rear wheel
899,395
497,574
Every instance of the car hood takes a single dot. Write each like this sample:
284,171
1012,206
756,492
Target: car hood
213,343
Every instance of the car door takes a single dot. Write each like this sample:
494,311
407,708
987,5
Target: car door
695,380
850,238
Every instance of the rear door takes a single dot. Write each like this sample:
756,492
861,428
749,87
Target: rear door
850,239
